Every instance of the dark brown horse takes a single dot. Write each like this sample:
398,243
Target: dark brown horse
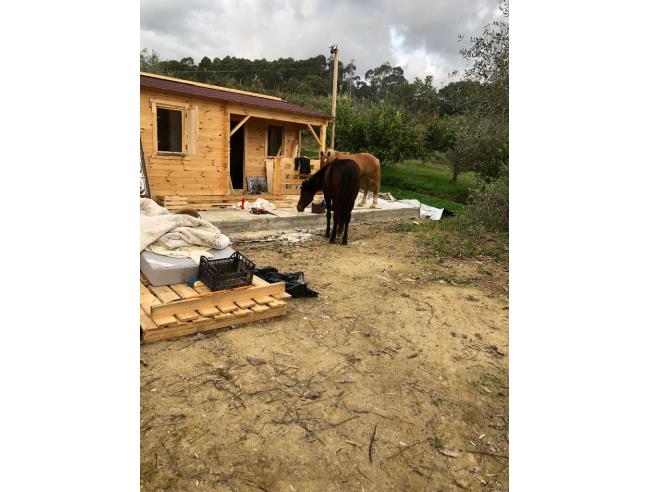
340,182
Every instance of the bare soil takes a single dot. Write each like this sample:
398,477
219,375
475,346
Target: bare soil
395,378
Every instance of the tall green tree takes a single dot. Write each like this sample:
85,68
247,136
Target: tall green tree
460,97
488,58
378,128
481,130
386,81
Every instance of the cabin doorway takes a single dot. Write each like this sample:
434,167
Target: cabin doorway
237,148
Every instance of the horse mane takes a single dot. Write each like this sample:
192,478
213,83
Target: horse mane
314,183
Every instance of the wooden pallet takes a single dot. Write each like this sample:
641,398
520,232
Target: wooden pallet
177,310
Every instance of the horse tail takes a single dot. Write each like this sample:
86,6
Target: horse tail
346,201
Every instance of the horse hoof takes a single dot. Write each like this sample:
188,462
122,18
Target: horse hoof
344,243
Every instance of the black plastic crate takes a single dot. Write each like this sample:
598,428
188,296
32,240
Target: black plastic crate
225,273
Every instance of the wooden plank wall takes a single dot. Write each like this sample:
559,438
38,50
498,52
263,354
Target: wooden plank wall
203,173
256,142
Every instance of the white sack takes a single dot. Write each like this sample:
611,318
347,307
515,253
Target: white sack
426,212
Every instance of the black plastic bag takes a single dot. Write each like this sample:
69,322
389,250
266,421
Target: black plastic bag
295,282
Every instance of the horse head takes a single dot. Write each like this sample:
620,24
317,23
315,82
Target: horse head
306,195
327,157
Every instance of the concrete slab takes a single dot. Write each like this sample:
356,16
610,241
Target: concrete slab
232,221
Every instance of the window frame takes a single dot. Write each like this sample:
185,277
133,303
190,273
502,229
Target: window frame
173,106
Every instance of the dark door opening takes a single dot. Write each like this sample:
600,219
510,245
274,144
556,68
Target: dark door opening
236,156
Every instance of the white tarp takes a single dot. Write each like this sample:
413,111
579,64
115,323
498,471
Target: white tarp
262,203
177,235
426,212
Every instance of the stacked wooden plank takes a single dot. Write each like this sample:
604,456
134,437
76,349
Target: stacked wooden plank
176,310
175,203
202,202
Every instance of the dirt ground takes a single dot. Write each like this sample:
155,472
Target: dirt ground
395,378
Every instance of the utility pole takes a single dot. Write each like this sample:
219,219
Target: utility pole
334,52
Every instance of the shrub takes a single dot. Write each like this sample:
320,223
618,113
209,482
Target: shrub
489,205
439,135
479,144
495,164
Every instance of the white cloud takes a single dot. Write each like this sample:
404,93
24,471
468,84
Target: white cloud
419,35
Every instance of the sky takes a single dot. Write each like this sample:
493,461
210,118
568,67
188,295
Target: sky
419,35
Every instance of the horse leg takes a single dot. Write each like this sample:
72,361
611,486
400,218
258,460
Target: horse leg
328,215
364,196
346,230
376,188
335,226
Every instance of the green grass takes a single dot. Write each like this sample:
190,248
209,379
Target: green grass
452,238
430,183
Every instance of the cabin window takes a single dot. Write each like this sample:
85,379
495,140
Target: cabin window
169,130
275,140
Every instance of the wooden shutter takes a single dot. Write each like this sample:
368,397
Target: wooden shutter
192,130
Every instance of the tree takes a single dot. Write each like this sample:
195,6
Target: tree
481,130
204,70
312,84
439,135
363,92
460,97
420,98
385,81
488,57
150,61
348,78
377,128
288,77
476,142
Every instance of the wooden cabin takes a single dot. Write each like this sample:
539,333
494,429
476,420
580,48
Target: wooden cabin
200,143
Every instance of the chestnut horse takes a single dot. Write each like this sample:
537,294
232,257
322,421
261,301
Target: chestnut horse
340,182
369,171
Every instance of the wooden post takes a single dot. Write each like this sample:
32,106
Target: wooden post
334,51
229,174
322,137
319,142
239,125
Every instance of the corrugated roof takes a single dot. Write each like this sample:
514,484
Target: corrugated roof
221,94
